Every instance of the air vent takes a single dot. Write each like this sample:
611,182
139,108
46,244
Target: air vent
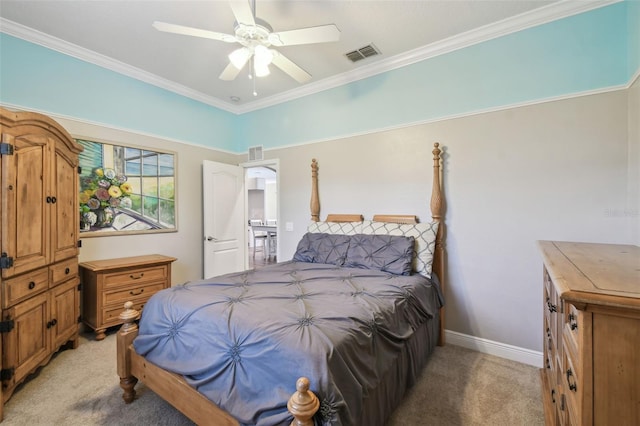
363,52
255,153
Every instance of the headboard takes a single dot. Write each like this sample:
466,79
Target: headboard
436,205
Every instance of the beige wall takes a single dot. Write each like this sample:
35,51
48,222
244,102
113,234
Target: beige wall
633,207
554,171
559,170
186,244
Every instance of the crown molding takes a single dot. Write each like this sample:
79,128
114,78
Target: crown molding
37,37
543,15
549,13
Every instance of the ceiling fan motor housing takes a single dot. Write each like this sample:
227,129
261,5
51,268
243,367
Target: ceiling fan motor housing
252,35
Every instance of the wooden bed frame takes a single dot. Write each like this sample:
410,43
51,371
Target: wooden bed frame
303,404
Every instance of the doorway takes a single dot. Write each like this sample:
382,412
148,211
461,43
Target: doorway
262,213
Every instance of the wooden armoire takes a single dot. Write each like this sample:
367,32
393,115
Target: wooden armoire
39,238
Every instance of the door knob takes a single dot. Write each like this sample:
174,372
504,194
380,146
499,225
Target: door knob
211,239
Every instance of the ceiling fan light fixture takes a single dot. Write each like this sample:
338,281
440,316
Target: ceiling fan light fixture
261,70
263,55
239,57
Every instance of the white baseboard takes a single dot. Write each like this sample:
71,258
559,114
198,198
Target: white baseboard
514,353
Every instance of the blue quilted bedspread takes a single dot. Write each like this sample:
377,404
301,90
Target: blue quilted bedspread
244,339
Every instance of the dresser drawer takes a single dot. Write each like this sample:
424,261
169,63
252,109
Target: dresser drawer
135,276
110,316
62,271
132,293
573,386
574,323
17,289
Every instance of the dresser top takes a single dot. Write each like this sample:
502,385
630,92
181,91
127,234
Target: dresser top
127,262
591,272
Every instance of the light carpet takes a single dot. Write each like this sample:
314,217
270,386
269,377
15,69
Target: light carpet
458,386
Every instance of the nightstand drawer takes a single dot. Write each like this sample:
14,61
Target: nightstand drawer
135,276
62,271
20,288
132,293
110,316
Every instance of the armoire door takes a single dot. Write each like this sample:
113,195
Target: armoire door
25,216
65,219
65,310
29,342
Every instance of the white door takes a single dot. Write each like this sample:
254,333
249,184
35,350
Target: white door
224,223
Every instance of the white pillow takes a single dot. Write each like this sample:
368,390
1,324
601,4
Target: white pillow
424,233
343,228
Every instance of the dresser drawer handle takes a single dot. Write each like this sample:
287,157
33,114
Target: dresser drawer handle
32,285
133,277
552,308
136,294
67,270
572,386
573,322
553,396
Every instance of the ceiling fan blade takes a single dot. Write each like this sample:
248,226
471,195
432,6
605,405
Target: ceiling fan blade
243,13
229,73
286,65
195,32
321,34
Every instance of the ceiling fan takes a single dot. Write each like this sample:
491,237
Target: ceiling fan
256,37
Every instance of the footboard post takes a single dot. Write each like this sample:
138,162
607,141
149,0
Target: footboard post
127,333
303,404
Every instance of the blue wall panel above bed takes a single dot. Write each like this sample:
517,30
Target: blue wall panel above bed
592,51
579,54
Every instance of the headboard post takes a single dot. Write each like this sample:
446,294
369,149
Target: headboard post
436,214
315,200
436,195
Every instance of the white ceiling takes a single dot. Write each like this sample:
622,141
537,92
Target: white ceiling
118,35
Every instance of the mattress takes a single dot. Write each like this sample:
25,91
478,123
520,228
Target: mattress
243,339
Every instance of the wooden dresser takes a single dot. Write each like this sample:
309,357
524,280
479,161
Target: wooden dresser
108,284
591,372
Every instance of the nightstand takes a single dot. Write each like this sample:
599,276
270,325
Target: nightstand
108,284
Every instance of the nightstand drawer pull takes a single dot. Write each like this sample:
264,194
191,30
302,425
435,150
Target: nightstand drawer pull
133,293
32,285
572,386
552,308
133,277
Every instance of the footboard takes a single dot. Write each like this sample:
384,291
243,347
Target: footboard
172,387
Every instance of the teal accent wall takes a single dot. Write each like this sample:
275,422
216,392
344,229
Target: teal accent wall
594,50
578,54
633,25
34,77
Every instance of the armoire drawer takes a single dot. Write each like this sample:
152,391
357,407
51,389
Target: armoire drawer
62,271
22,287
